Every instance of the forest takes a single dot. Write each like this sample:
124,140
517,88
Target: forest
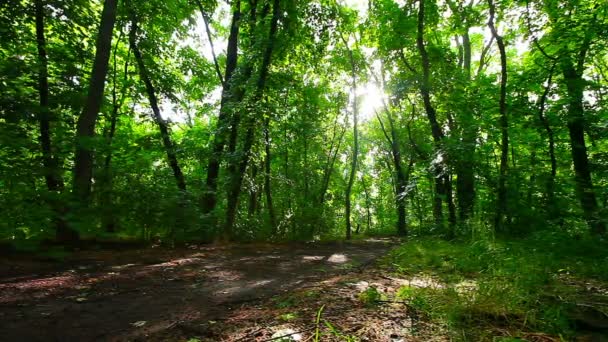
315,170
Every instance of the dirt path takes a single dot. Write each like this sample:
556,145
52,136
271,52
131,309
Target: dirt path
143,294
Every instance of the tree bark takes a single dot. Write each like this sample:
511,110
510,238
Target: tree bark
85,128
442,181
501,207
52,174
575,85
209,197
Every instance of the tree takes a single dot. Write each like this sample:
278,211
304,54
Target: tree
443,183
501,209
83,161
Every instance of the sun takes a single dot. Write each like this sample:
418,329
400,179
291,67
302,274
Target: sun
371,100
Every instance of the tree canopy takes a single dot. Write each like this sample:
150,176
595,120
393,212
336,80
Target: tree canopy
196,120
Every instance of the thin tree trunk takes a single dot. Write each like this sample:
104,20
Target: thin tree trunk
109,219
501,207
208,31
401,182
85,129
162,125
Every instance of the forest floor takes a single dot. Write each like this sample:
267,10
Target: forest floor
208,293
365,290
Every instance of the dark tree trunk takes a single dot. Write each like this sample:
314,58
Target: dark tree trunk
501,205
443,185
209,197
236,180
52,174
162,125
85,129
575,85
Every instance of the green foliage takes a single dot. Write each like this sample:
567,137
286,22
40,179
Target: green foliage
370,296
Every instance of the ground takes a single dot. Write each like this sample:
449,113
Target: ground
231,293
423,290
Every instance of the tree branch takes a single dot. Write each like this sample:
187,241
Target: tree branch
208,30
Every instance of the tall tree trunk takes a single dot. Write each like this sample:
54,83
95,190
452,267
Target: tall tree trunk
465,174
162,125
355,156
575,85
236,180
501,207
52,174
209,197
85,128
267,189
443,185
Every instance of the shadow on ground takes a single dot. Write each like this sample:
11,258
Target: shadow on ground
135,295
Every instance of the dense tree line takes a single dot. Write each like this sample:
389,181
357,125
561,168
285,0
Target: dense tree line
245,119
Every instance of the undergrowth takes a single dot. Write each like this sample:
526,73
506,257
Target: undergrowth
486,289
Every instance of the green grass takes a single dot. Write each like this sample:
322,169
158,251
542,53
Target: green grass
479,290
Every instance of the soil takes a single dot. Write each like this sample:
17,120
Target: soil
205,292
